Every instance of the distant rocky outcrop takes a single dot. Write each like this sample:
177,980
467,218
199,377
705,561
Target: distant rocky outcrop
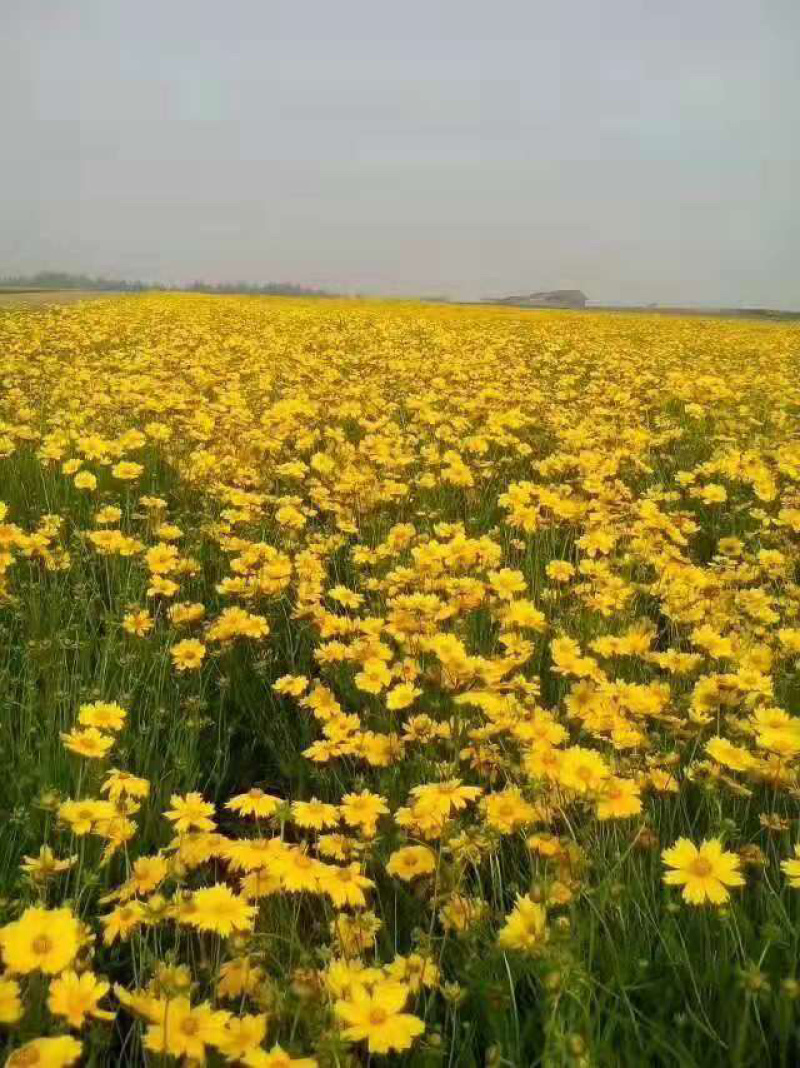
552,298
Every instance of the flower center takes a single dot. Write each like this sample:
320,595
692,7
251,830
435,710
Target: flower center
377,1016
702,867
42,945
25,1058
190,1026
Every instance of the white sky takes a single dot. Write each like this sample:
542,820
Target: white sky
638,149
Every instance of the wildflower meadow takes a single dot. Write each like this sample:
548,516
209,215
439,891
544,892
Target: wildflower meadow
384,683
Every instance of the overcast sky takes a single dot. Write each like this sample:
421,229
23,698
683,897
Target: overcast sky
642,150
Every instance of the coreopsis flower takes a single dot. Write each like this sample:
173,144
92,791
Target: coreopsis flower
298,872
314,815
185,613
705,873
58,1052
402,696
190,812
277,1057
618,799
85,480
525,928
75,997
160,586
356,933
218,909
374,676
363,810
119,784
106,716
414,971
243,1035
410,862
127,470
10,1001
138,623
560,570
238,977
508,810
377,1017
255,803
184,1030
44,866
345,886
147,873
291,685
188,655
792,868
44,940
122,922
91,743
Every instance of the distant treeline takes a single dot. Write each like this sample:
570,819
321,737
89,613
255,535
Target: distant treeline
66,280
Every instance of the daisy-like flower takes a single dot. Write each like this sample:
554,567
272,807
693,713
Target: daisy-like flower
792,868
377,1017
410,862
104,715
254,803
218,909
705,873
188,655
90,743
190,812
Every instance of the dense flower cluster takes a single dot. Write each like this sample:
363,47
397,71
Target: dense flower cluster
370,665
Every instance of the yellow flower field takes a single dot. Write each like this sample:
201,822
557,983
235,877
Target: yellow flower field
388,683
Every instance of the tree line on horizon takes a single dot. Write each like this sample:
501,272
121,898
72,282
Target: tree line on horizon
68,280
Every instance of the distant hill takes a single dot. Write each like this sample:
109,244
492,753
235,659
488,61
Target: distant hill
62,280
552,298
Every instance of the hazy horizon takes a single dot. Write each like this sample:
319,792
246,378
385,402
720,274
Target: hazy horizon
639,152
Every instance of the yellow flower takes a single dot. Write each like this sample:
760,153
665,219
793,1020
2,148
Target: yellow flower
85,480
126,470
91,743
188,654
411,861
297,871
243,1035
525,928
74,997
704,873
402,696
138,623
119,784
730,755
377,1018
314,814
103,715
122,922
345,885
792,868
254,803
45,940
619,798
362,810
508,810
184,1031
190,812
237,977
46,1053
277,1057
217,908
374,676
10,1001
46,864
